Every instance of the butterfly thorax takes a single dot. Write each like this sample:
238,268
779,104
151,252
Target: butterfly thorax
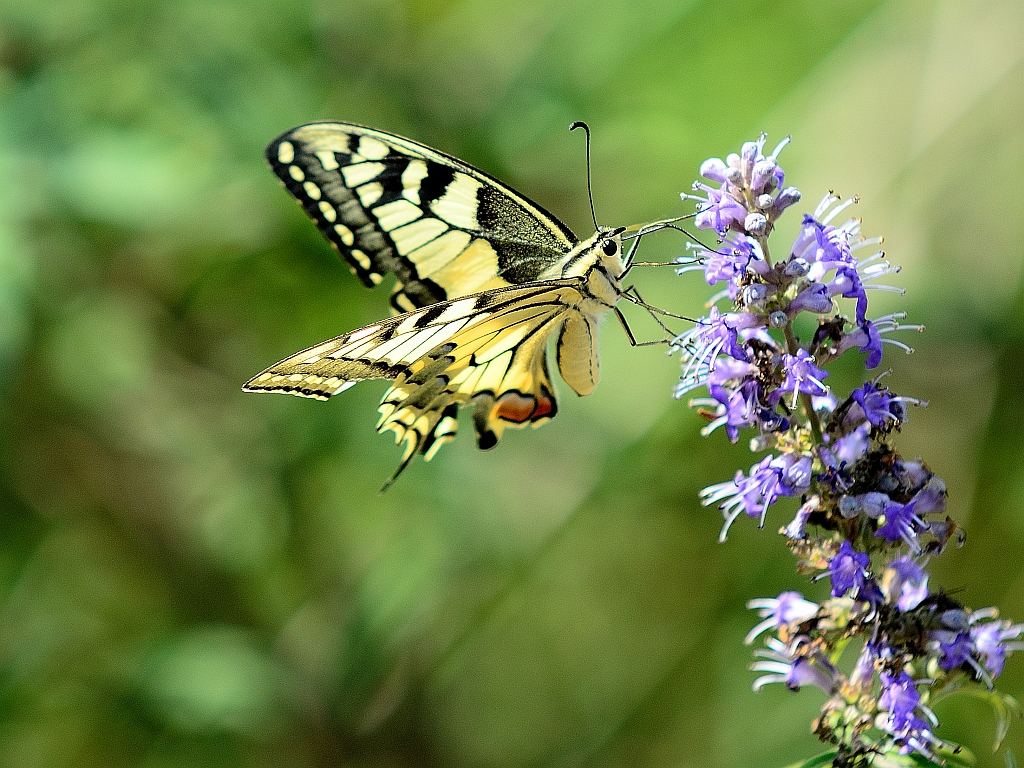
598,260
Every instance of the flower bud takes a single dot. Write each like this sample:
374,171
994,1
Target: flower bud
796,268
873,503
849,507
888,483
749,153
755,224
786,198
955,618
762,177
755,294
715,169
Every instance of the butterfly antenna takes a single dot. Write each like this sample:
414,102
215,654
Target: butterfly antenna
590,188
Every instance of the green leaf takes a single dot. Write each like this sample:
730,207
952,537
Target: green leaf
825,758
1005,707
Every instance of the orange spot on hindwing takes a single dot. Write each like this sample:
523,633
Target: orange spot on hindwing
545,405
515,407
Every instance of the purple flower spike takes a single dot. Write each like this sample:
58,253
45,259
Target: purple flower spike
868,518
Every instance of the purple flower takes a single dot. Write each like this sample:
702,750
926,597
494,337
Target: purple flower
907,583
746,196
824,247
794,671
796,473
713,336
978,641
931,499
802,376
729,370
729,260
848,570
901,700
751,495
797,528
848,285
787,608
872,344
956,651
863,674
720,211
738,406
870,335
901,522
853,446
875,402
991,639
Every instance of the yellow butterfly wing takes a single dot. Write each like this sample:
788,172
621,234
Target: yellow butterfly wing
487,350
391,205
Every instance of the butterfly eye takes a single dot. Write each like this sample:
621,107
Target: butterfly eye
610,248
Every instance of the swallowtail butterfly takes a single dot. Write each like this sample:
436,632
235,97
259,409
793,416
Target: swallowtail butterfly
485,278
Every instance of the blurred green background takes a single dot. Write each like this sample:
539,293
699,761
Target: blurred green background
192,576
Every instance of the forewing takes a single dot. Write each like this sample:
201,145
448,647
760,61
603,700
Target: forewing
389,204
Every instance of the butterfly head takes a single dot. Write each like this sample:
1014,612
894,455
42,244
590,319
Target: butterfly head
598,259
603,250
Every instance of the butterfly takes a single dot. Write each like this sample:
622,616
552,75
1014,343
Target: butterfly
485,278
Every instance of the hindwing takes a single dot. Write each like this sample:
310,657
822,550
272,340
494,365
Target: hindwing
389,204
486,350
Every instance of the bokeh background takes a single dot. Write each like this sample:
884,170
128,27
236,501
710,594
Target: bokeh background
193,576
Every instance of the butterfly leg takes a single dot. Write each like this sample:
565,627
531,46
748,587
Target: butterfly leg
670,335
632,294
629,333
